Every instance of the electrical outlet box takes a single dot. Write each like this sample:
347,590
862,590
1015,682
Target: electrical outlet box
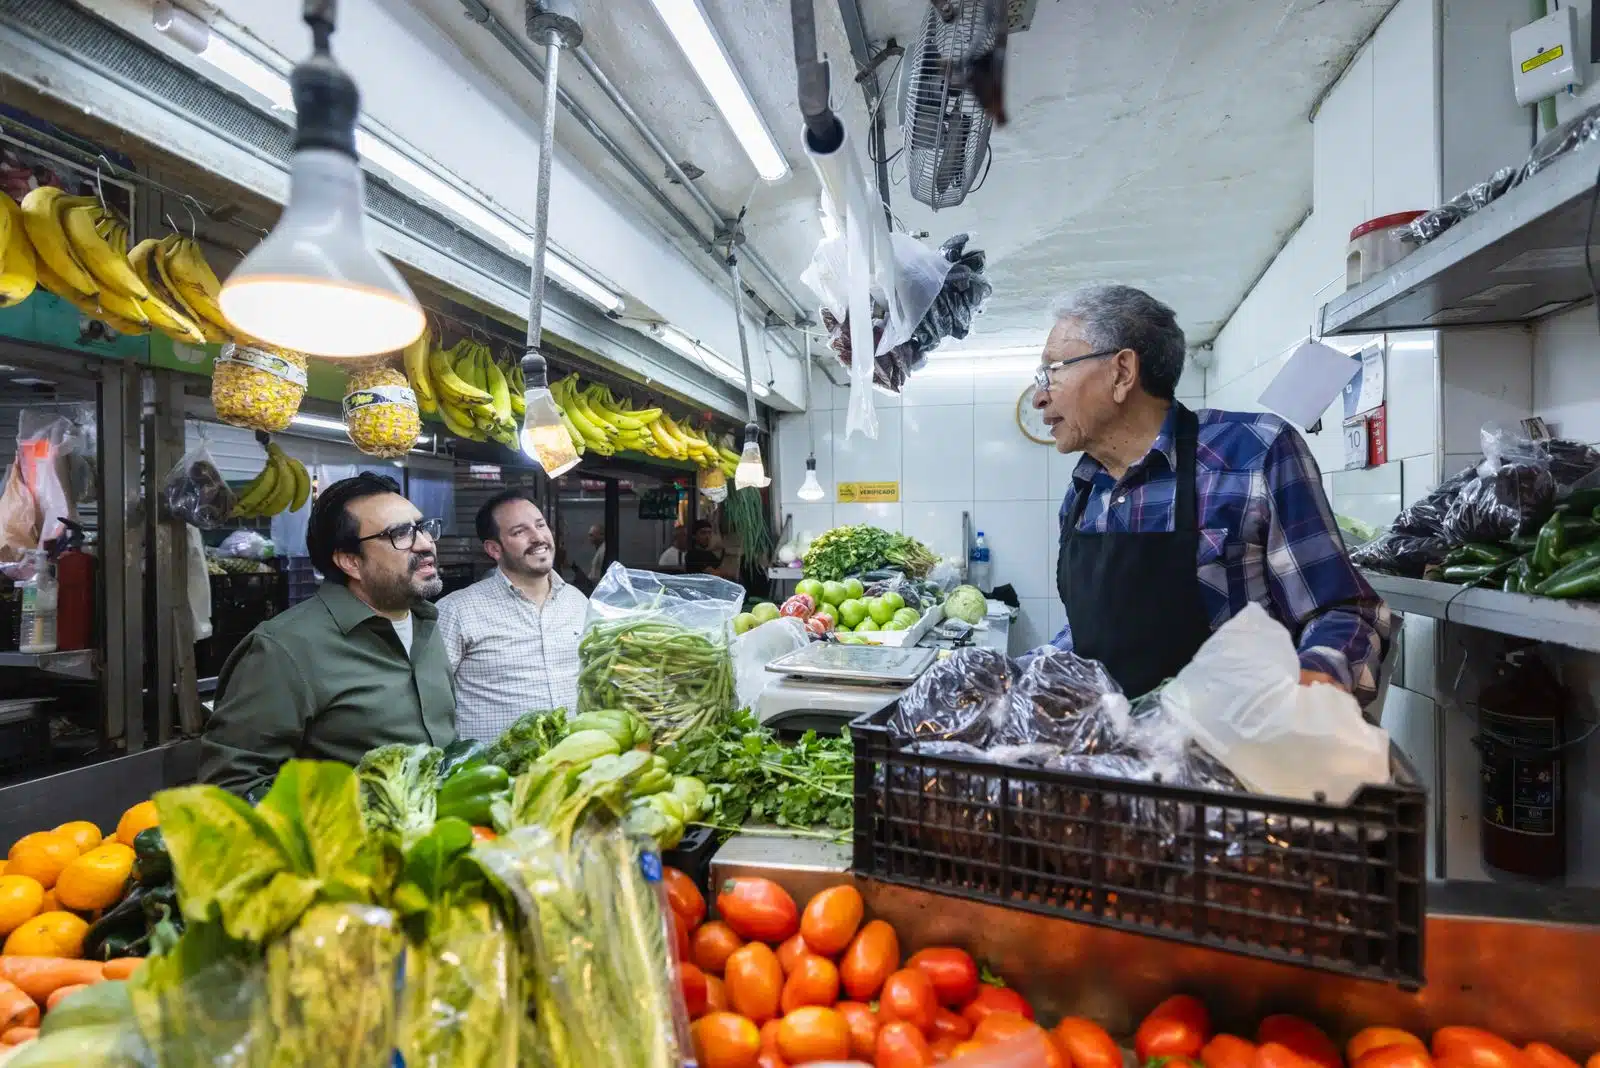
1547,56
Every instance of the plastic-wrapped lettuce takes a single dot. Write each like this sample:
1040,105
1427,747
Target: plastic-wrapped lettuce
462,1004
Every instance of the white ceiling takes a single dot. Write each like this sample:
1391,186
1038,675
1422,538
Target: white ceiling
1164,143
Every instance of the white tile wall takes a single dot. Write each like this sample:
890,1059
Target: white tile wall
1566,373
1011,467
942,437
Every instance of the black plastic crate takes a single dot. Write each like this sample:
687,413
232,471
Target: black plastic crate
24,736
1335,887
693,854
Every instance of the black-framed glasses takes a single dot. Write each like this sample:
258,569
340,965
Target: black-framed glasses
1041,377
404,535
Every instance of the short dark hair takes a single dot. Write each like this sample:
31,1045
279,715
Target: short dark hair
488,529
333,529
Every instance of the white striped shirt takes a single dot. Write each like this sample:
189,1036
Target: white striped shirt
508,655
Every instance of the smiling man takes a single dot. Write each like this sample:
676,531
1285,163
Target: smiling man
1175,519
359,664
512,637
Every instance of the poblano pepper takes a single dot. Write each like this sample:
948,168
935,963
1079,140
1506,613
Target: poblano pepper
470,794
461,754
152,864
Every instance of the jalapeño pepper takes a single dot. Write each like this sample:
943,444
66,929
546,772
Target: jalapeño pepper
1468,572
1581,578
1549,545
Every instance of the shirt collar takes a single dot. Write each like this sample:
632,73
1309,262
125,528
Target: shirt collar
556,582
349,611
1166,445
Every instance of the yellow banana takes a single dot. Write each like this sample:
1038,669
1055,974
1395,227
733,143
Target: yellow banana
186,273
415,358
253,494
500,390
165,313
107,263
302,484
450,386
572,431
287,483
457,423
18,273
41,219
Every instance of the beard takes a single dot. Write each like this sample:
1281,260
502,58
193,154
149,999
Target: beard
524,563
395,593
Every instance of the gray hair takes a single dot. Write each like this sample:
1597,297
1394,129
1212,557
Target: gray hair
1122,317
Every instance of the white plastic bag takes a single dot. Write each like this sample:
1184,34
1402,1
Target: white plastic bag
45,444
1240,698
199,580
759,646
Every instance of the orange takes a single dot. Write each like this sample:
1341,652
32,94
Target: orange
25,840
97,879
84,834
20,898
49,904
140,817
42,856
49,934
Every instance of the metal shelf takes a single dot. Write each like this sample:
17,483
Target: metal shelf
77,664
1519,259
1575,624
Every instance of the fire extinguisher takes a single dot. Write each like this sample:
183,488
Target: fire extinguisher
1521,714
75,577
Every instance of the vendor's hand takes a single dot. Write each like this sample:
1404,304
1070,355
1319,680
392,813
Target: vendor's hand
1310,678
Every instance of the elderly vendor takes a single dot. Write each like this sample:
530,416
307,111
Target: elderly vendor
1176,519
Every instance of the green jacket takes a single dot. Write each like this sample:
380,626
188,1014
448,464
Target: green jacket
327,680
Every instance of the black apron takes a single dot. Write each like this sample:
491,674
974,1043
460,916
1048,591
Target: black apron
1133,599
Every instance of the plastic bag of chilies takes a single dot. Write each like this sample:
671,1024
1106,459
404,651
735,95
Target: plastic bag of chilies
1513,492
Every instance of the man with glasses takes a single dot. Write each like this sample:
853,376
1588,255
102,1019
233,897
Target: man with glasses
512,636
1175,519
359,664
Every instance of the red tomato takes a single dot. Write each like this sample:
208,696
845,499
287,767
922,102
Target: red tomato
771,1059
769,1036
758,909
711,945
1475,1046
825,617
863,1028
1546,1056
1370,1038
908,995
901,1045
964,1049
800,606
1274,1055
716,994
943,1048
831,919
813,1033
1593,1061
953,971
1302,1036
1397,1056
1227,1051
684,897
793,948
680,938
726,1040
692,981
953,1024
818,625
995,999
871,956
1089,1046
755,982
1178,1027
812,981
1002,1025
483,834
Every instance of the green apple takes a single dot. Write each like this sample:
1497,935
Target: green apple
765,612
853,588
852,612
833,593
867,625
744,621
811,588
907,617
894,601
880,610
893,624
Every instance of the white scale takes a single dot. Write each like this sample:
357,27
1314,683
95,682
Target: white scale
826,685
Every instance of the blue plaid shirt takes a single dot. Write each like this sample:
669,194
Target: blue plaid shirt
1266,535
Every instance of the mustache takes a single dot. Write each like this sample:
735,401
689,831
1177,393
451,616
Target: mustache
418,559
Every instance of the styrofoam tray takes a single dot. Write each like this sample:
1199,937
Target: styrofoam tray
899,639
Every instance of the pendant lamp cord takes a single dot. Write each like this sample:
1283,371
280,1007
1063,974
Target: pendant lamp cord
320,16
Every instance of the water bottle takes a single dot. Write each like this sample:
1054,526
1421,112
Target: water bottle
978,564
37,629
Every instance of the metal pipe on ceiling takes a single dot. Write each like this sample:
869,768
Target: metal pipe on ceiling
511,42
855,30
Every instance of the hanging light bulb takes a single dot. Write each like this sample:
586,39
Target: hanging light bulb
544,436
315,285
810,489
751,472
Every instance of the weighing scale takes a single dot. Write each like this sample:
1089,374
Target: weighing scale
826,685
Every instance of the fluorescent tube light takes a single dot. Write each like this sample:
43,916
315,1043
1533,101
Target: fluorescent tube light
687,23
317,421
685,345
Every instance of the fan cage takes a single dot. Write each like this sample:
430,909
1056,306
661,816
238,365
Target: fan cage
946,128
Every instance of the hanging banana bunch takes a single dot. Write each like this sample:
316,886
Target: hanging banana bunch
284,484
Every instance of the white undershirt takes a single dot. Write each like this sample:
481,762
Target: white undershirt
402,630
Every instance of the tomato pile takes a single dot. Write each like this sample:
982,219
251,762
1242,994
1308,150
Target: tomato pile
769,985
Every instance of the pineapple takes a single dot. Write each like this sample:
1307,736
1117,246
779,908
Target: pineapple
258,387
380,411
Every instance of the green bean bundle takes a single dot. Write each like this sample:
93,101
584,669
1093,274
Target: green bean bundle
678,679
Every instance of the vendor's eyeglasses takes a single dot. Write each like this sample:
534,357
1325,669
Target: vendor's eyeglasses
1041,377
404,535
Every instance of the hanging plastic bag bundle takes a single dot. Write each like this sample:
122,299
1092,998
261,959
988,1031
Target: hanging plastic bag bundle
195,491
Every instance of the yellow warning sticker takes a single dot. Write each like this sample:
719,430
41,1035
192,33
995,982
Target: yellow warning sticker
1549,55
868,492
